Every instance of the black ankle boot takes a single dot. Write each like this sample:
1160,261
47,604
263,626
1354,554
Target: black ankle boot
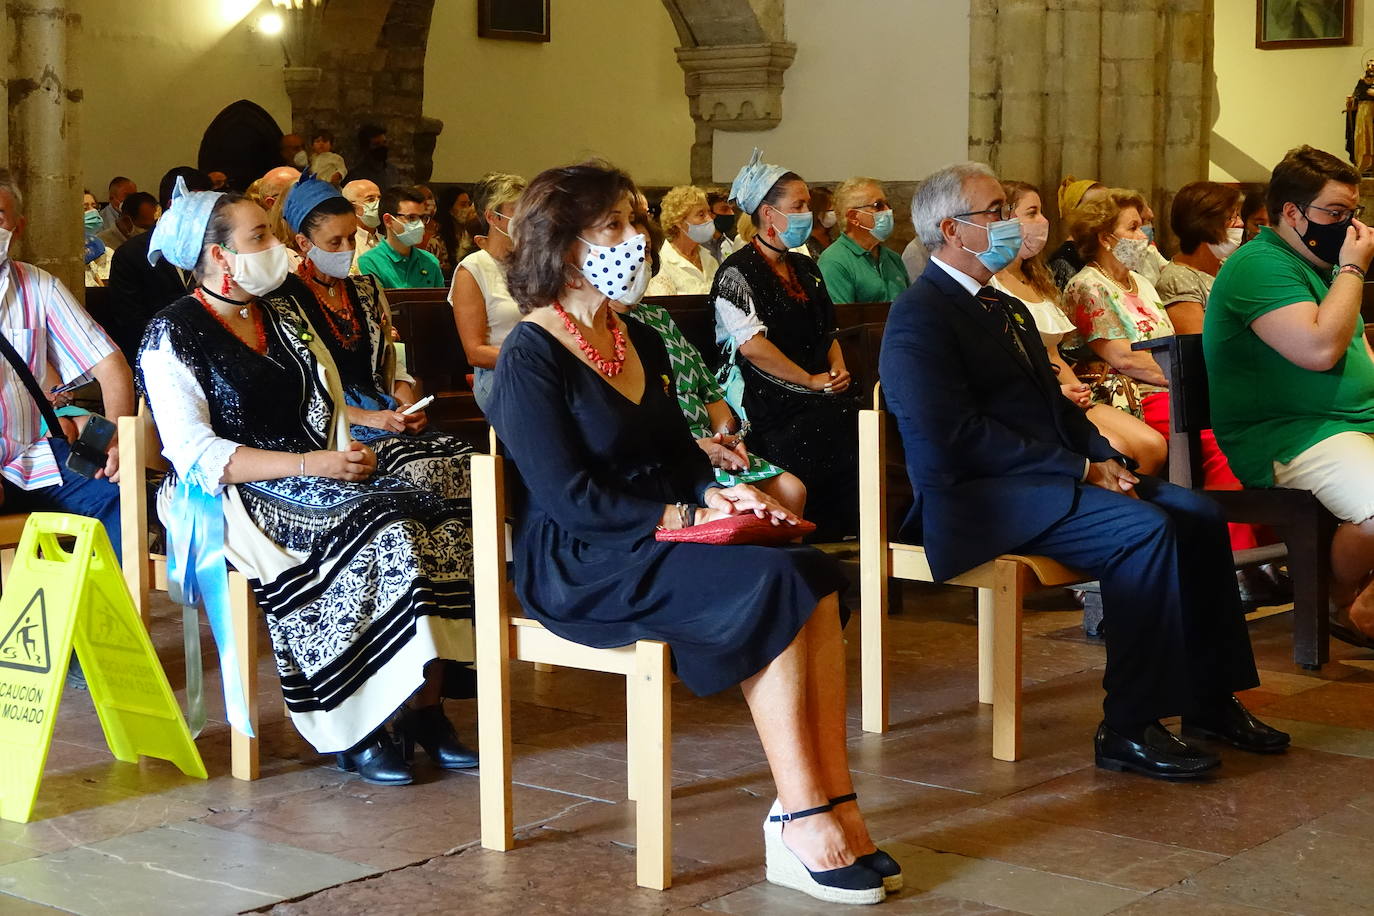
377,760
428,727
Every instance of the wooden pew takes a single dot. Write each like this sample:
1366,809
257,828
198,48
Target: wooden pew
434,355
1295,515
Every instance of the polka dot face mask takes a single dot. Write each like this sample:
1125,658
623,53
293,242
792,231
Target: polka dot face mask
612,269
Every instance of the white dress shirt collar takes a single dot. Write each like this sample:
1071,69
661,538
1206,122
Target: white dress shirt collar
963,279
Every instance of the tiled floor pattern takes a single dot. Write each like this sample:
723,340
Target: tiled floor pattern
1048,835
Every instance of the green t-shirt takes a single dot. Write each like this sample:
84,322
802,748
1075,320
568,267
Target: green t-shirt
1265,408
416,270
851,275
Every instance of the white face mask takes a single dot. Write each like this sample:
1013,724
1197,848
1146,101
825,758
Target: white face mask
611,269
1223,250
260,272
334,264
301,160
410,233
5,237
1131,252
701,233
1033,237
828,219
371,217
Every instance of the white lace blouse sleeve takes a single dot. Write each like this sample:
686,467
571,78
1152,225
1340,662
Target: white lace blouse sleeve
183,417
737,320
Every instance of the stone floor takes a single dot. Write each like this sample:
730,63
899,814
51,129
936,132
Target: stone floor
1048,835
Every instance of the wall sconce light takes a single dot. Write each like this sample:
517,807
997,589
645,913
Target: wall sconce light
271,24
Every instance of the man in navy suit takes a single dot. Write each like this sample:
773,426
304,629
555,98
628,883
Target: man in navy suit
1002,462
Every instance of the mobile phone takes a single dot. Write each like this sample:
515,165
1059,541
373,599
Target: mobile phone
89,452
418,405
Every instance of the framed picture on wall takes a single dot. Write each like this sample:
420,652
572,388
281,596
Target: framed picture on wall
1304,23
517,20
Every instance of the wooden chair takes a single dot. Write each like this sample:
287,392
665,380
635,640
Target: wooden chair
1002,584
502,635
11,529
140,450
1295,515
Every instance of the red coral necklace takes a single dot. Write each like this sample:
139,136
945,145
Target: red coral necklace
261,346
609,367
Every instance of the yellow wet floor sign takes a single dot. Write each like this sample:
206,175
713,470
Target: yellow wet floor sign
59,596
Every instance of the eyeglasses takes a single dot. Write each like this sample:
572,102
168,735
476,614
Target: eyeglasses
875,206
422,217
1340,214
1002,212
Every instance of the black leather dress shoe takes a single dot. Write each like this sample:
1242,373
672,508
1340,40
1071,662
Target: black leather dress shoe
377,760
428,727
1233,723
1159,753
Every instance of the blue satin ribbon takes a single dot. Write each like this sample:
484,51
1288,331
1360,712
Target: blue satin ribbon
197,574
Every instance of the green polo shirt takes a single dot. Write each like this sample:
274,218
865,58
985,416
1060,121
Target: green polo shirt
1265,408
851,275
397,271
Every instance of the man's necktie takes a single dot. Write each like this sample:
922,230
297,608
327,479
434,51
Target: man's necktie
992,302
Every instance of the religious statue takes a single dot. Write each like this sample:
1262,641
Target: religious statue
1359,122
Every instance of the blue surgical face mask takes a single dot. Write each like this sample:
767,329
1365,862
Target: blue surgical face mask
798,228
93,221
334,264
882,225
1149,231
1004,243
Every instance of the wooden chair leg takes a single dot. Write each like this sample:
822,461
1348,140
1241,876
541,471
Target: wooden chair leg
987,601
244,750
493,733
653,753
875,565
1310,566
6,564
633,724
1006,665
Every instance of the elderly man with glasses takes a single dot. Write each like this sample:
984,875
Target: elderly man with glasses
1290,371
1001,462
859,267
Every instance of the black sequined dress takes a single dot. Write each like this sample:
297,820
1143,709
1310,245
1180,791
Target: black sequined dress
360,344
812,434
362,584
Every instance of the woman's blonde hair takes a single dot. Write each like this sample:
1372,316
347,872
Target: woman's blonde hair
676,204
1088,222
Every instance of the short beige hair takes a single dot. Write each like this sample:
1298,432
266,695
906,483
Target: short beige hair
677,203
494,191
851,194
1089,222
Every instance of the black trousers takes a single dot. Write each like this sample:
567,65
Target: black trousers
1175,628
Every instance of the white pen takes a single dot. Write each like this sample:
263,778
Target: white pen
418,405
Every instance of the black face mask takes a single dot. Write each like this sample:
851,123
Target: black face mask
1325,240
725,224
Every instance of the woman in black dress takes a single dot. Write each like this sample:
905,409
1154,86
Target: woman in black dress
585,405
787,376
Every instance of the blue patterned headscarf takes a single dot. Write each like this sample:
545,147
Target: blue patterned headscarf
179,235
754,181
304,196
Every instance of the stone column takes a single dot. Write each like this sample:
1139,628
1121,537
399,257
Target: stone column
43,99
1115,90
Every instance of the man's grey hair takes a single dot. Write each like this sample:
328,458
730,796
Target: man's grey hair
9,186
940,197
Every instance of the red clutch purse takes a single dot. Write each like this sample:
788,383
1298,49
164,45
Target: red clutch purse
746,528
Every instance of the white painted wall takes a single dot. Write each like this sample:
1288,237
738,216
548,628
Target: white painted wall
607,85
878,87
1268,102
156,73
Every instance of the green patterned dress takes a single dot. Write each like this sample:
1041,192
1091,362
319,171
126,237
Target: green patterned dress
697,387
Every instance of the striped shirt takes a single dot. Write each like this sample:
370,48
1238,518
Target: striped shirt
46,326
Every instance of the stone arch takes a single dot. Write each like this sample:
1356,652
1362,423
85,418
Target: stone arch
243,142
363,61
733,56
